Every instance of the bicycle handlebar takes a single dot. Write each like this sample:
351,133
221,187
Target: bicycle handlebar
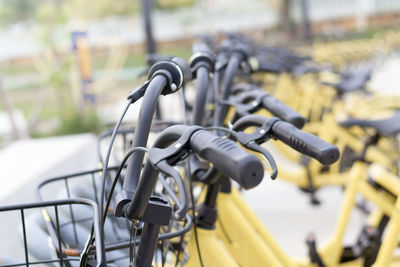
165,77
299,140
228,158
283,111
230,72
244,92
306,143
202,63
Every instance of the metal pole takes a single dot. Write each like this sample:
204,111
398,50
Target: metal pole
150,43
285,16
147,23
306,20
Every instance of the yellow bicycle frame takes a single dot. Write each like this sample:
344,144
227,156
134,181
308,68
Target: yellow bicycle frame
239,233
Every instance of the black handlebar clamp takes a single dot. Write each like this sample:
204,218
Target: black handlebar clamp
177,71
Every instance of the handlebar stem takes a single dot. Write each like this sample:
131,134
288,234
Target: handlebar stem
203,83
231,68
146,114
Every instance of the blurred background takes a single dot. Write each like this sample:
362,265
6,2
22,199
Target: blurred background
65,63
67,66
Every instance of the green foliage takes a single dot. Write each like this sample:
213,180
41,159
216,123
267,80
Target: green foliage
171,4
91,9
73,122
50,12
12,11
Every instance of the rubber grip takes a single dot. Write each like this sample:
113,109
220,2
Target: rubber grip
305,143
228,158
283,111
265,65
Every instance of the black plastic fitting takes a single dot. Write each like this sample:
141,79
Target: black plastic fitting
177,71
202,56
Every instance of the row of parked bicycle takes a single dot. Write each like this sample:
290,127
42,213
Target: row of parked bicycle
341,53
168,192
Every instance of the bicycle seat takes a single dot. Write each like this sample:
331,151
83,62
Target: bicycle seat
387,126
353,81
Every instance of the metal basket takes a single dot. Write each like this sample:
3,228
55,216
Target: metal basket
35,235
118,231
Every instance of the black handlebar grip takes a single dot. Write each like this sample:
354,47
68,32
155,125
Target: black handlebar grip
305,143
260,64
283,111
228,158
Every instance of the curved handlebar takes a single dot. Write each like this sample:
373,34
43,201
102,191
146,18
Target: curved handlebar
299,140
165,76
283,111
228,158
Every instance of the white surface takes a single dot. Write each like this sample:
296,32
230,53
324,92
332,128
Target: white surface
6,126
289,217
386,79
25,162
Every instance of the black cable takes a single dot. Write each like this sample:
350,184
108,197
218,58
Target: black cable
194,219
180,248
105,166
103,185
132,252
122,165
105,169
163,255
118,174
183,103
180,232
106,134
216,84
130,245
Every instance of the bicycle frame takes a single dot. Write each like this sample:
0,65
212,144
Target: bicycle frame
232,206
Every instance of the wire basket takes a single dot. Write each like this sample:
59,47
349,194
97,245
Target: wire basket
35,235
120,236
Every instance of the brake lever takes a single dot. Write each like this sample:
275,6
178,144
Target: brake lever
257,148
244,103
167,169
252,141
